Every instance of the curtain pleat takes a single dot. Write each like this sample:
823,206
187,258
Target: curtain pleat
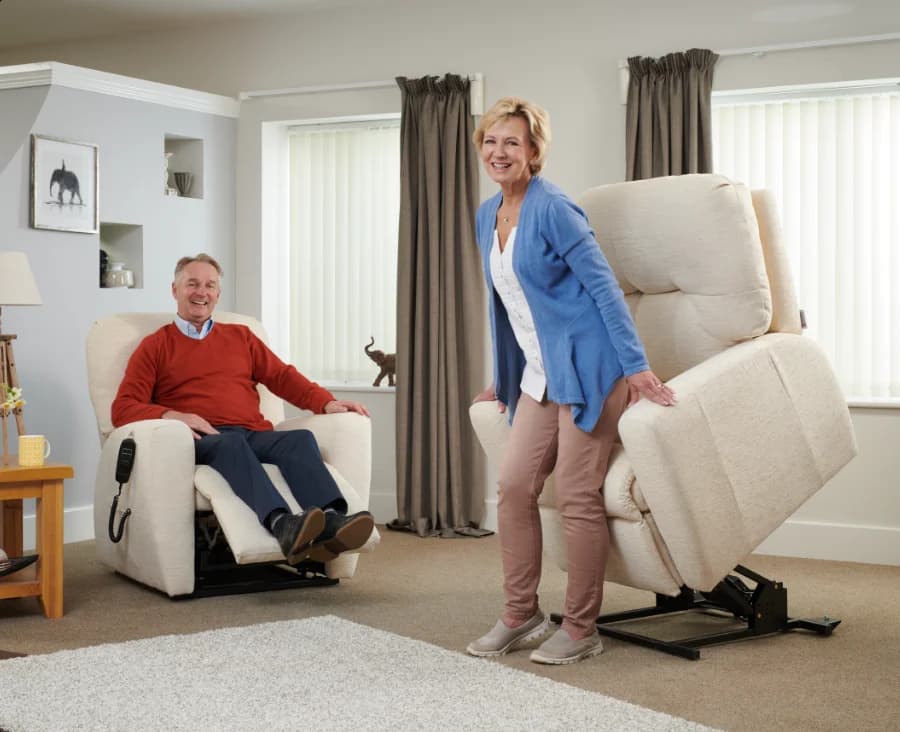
668,119
440,311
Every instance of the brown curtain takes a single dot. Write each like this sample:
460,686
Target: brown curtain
440,312
668,119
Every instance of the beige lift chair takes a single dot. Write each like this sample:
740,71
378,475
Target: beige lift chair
760,423
187,533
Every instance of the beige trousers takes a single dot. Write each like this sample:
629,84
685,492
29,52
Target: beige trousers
544,438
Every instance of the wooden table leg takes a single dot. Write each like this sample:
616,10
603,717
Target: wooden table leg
11,527
49,515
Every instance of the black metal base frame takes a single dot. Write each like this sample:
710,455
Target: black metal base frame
216,572
763,609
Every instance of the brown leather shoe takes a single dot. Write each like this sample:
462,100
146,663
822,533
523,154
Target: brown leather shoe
342,533
295,533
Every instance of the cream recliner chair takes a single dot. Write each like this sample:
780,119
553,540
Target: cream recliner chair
760,423
172,539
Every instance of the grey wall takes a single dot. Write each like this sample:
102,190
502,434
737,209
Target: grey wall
50,346
564,56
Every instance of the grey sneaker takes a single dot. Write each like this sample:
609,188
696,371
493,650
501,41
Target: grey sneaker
559,648
502,638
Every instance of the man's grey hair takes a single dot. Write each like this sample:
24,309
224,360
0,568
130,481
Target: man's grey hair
202,257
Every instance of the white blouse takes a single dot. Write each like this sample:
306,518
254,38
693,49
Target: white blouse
534,380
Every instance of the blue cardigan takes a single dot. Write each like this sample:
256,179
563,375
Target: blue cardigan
587,337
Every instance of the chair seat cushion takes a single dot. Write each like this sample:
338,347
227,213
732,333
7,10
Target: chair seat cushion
249,540
621,490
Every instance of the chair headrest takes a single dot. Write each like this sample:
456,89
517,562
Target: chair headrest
686,251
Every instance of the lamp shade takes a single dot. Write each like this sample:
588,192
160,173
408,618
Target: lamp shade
17,285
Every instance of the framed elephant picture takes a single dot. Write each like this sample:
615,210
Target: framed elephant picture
64,185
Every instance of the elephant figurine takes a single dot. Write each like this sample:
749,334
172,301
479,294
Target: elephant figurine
387,362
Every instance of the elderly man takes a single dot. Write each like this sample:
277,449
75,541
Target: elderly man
205,374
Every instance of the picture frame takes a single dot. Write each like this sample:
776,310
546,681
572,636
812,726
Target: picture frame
65,185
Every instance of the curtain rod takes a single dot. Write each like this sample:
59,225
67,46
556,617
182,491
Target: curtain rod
244,95
476,90
758,51
762,50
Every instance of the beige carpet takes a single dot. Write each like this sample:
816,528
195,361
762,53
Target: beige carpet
447,591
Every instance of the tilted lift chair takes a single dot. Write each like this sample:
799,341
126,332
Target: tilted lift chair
760,424
187,533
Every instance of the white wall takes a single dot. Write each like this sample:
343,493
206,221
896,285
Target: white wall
50,351
565,56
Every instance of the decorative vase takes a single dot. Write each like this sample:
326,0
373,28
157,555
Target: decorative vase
104,265
118,276
183,182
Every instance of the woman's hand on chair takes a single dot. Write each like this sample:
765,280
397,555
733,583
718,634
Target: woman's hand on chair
488,395
647,384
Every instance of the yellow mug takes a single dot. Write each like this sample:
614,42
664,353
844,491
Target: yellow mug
33,450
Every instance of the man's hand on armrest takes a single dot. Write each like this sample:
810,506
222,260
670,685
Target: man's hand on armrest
198,425
335,406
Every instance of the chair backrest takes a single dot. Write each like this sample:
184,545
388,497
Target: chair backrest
112,340
688,252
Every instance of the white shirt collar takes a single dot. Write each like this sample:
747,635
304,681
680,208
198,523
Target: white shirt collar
190,330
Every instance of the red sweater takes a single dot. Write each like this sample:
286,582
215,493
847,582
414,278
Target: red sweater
215,377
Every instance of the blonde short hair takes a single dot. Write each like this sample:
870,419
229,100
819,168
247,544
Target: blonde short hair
535,117
202,257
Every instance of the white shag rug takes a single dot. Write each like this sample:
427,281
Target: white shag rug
321,673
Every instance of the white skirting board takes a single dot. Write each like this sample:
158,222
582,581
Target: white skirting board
383,507
806,539
838,542
810,540
78,525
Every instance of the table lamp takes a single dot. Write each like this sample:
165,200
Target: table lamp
17,287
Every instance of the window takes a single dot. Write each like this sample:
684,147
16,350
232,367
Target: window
832,158
344,205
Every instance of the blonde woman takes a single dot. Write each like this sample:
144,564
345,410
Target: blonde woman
567,363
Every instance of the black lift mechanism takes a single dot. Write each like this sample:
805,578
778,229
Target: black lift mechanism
763,609
217,573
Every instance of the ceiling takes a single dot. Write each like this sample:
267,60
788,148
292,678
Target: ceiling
35,22
41,22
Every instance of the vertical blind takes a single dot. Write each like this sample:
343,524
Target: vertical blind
833,163
344,209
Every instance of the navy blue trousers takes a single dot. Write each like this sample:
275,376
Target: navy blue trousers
238,453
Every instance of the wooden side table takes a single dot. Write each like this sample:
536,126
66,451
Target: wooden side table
45,484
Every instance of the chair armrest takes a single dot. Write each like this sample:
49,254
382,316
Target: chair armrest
345,441
756,431
491,428
157,547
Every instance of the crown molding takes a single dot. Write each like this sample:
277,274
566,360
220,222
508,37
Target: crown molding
75,77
